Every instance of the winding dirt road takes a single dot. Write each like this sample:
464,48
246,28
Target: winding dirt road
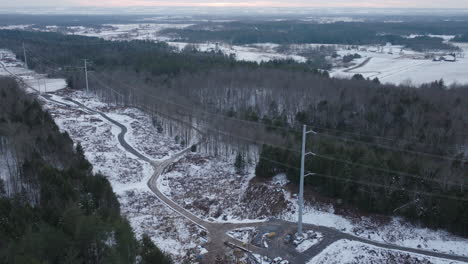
217,231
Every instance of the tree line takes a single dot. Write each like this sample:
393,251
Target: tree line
55,209
345,33
242,103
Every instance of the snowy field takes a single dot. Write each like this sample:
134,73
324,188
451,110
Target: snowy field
351,252
391,64
150,31
255,53
137,31
399,66
38,81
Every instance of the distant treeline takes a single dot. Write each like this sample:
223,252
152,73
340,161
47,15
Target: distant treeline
354,33
461,38
66,20
53,209
139,56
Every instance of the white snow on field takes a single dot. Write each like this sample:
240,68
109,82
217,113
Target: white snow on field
150,31
15,27
46,85
444,37
253,53
398,66
396,231
351,252
11,65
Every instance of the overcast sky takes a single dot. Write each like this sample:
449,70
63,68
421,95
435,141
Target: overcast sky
244,3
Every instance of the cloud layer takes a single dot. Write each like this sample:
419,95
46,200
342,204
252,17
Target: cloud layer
260,3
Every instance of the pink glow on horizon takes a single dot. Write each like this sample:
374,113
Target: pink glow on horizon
243,3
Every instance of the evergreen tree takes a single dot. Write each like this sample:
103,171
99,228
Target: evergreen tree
239,164
2,188
150,254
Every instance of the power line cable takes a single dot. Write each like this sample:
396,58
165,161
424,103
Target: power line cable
391,148
297,131
377,137
405,174
370,184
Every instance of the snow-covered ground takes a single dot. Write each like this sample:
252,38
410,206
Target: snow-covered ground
391,64
399,66
137,31
243,234
312,239
396,231
127,174
37,81
16,27
352,252
255,53
209,187
149,31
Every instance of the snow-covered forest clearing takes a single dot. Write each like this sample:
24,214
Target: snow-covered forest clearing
212,187
214,138
388,62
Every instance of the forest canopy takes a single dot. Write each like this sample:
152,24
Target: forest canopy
380,145
53,209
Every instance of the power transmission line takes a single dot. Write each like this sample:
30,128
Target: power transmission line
405,174
58,71
392,148
319,174
314,126
211,113
104,85
368,183
266,126
259,142
376,137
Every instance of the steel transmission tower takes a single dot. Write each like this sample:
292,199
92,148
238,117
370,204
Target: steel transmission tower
25,58
86,74
301,183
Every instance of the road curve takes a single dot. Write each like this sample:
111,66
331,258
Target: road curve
217,231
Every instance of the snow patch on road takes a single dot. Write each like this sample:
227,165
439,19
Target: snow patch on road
309,242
